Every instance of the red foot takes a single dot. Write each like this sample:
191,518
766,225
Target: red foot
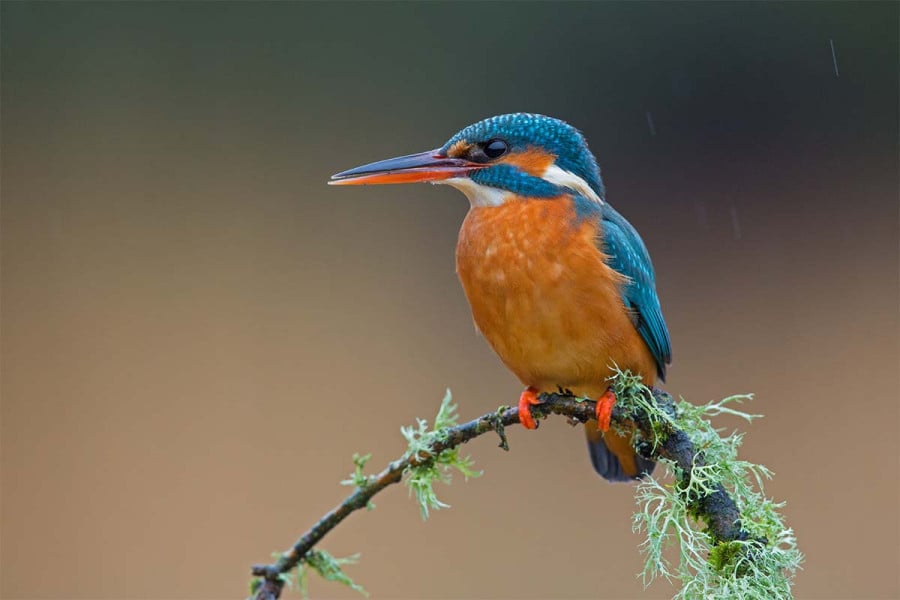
526,401
604,408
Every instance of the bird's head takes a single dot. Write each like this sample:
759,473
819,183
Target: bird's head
495,160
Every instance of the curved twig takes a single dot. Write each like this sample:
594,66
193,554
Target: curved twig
717,509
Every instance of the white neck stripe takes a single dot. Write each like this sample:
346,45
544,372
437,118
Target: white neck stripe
484,195
564,178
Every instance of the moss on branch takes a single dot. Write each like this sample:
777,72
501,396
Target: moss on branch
731,539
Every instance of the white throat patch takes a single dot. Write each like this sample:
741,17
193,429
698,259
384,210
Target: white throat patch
563,178
478,195
483,195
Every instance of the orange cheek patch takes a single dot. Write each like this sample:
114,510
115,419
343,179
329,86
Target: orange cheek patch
459,150
533,161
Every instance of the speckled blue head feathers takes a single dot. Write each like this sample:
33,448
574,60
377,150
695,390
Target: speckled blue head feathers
524,133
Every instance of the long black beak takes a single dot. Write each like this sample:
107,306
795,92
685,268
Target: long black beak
412,168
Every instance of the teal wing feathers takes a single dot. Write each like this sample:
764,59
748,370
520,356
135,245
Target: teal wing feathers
628,256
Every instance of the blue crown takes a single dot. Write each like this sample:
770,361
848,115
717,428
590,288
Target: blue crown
524,130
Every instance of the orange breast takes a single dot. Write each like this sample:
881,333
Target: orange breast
543,297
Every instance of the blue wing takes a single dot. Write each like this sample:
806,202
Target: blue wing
628,256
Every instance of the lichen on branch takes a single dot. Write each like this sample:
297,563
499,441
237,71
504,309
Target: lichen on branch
691,513
431,468
732,543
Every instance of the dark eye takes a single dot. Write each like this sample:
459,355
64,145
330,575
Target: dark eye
495,148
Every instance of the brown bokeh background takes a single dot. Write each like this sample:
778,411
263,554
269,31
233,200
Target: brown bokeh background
197,333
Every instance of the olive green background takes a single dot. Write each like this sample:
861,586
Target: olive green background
198,333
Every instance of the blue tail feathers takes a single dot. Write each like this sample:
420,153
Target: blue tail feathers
610,467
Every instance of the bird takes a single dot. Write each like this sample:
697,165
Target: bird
559,283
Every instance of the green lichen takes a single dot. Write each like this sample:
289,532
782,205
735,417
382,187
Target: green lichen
724,554
327,566
761,567
319,561
420,479
497,422
358,478
255,584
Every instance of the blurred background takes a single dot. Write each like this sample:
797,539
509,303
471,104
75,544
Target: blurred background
198,333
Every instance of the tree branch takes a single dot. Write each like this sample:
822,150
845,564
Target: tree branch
657,439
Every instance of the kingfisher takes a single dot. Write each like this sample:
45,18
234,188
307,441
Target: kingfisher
559,283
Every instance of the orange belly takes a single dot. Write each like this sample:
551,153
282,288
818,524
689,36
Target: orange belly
545,300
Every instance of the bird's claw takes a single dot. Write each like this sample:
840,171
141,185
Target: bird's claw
604,409
528,399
